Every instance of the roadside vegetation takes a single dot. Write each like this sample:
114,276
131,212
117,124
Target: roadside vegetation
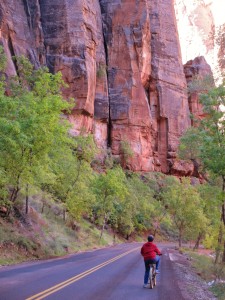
204,145
203,262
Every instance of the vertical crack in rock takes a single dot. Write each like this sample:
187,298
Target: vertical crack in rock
109,119
128,48
36,20
109,124
12,52
27,11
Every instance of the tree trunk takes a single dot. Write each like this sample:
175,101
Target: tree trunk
27,199
103,227
114,236
14,194
101,234
223,258
64,215
16,190
196,246
180,238
223,221
222,230
219,245
43,207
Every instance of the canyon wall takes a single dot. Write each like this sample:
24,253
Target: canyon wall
122,62
199,71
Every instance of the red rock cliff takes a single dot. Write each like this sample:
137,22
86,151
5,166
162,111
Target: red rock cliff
198,70
123,65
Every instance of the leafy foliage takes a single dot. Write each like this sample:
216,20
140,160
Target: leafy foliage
126,152
200,84
30,124
190,143
72,176
185,208
210,146
110,191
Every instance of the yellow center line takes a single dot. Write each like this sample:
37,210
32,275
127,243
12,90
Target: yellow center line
67,282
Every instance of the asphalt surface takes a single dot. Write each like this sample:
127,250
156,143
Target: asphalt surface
112,273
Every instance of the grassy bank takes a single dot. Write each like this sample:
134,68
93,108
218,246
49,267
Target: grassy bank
213,274
44,235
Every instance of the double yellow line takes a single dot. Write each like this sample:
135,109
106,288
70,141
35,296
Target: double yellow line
63,284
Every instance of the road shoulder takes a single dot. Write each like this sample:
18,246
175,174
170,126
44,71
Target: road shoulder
191,285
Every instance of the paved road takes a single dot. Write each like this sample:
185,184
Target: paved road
113,273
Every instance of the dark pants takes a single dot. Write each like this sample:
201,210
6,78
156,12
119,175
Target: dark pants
147,267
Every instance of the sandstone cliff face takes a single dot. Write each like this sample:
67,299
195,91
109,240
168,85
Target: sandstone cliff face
198,69
129,68
168,99
74,45
122,62
19,33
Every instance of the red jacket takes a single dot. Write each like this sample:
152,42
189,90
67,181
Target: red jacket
149,251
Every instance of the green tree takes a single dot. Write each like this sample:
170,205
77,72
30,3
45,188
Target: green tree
3,60
73,175
210,135
140,204
126,153
159,184
31,125
110,189
209,193
184,205
189,148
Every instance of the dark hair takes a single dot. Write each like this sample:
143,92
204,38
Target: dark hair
150,238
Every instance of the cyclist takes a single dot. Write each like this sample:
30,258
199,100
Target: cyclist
149,251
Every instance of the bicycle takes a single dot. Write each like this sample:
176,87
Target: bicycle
152,276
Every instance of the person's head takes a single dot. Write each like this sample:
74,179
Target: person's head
150,238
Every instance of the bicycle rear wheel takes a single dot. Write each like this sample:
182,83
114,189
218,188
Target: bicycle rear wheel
151,281
154,279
